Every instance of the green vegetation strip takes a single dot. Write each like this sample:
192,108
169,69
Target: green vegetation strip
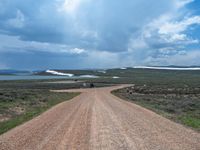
19,106
181,105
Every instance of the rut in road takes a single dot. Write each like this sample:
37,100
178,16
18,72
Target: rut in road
95,120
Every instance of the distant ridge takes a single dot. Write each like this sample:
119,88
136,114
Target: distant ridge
93,72
174,66
169,67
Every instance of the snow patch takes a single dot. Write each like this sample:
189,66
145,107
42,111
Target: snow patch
166,68
89,76
102,71
115,77
59,73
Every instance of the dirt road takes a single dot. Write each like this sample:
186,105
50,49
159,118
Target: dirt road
98,120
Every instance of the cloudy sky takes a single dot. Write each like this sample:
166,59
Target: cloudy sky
48,34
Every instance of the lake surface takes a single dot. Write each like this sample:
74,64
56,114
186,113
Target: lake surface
31,77
38,77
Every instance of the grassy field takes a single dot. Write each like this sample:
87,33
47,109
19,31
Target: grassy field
157,78
50,84
20,105
178,104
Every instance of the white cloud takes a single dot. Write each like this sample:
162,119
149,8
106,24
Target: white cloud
70,6
18,21
178,27
173,31
13,43
164,32
178,37
165,40
167,28
77,50
181,3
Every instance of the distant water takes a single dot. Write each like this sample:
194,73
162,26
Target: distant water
30,77
38,77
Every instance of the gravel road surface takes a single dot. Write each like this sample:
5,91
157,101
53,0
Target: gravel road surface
96,120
